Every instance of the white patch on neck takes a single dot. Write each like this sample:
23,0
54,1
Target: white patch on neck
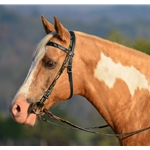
38,55
108,71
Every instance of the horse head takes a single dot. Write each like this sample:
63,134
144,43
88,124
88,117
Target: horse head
47,62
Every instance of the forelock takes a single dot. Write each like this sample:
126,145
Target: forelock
41,50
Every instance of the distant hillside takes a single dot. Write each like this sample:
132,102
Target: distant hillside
132,20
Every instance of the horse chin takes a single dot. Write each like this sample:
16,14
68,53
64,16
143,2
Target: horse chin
31,119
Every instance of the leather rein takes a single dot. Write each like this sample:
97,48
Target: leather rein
38,109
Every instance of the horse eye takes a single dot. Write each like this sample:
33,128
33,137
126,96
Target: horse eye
50,64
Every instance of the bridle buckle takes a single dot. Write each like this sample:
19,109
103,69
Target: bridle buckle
36,108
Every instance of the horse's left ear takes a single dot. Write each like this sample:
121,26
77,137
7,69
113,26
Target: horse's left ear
47,25
62,32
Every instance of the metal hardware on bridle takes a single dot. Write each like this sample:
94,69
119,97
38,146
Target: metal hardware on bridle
66,64
36,107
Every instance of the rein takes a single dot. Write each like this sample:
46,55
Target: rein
89,129
38,109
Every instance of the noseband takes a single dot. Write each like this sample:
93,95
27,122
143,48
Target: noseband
36,107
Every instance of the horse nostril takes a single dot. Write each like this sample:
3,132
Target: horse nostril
18,108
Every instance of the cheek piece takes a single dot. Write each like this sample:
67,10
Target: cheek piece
36,107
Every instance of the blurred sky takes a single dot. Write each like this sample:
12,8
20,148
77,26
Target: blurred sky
76,2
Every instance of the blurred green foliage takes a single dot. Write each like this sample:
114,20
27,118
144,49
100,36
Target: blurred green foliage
43,133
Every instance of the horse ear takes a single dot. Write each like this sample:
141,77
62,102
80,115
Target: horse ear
47,25
61,31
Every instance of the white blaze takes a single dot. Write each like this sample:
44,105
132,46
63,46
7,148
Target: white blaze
108,71
39,54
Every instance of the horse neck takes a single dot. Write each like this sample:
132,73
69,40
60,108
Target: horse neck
115,79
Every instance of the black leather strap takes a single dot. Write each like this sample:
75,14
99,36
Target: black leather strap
69,68
36,107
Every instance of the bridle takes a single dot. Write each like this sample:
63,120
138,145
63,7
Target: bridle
37,107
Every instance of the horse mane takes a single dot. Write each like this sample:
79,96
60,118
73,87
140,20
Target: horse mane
106,45
41,45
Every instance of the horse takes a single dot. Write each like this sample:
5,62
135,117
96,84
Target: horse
115,79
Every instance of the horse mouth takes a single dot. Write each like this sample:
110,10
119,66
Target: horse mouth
19,112
30,120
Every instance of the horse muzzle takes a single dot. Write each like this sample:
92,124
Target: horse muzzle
19,111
